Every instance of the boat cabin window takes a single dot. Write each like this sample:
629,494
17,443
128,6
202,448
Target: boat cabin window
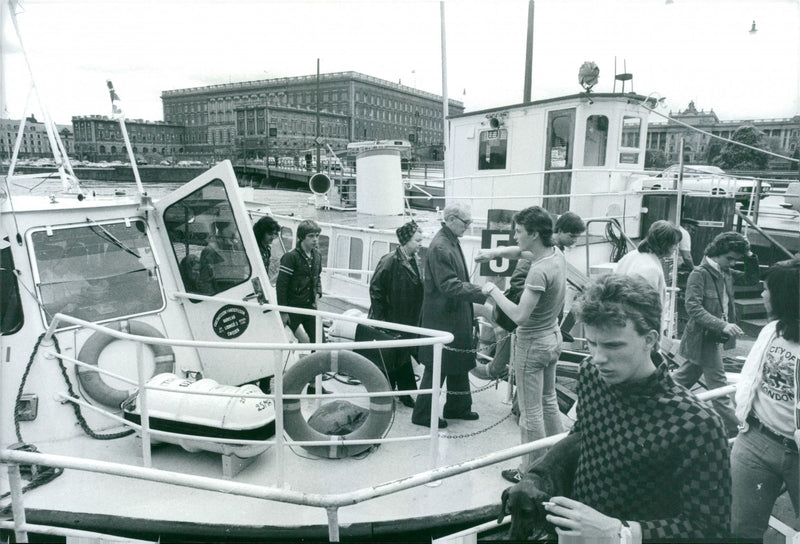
97,271
492,149
594,148
379,249
11,317
350,254
631,139
206,241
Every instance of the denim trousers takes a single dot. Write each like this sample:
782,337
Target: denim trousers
710,367
534,361
760,465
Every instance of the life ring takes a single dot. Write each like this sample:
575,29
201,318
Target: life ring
355,365
92,381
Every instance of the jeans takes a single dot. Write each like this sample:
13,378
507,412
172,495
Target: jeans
759,467
534,363
711,368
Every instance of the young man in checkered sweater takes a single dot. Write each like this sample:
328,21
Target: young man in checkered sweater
651,460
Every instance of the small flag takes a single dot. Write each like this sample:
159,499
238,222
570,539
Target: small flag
116,103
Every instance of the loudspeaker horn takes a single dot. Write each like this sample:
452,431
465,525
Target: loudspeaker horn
319,183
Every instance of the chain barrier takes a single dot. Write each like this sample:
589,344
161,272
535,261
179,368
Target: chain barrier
475,433
476,350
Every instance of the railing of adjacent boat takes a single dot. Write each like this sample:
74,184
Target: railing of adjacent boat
330,502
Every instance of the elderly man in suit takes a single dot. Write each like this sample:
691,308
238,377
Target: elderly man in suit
447,305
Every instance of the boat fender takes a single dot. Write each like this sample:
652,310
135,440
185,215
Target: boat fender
92,381
352,364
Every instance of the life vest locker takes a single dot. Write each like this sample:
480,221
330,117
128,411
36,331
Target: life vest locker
224,417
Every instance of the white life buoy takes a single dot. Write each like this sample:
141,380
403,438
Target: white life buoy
357,366
92,381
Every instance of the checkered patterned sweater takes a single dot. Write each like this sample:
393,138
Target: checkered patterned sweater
652,452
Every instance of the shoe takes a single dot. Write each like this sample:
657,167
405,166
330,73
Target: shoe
406,400
312,390
469,416
512,475
427,423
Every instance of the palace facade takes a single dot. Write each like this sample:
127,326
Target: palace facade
35,143
782,135
99,138
353,107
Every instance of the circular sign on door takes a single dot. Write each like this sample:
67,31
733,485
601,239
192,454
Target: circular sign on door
230,321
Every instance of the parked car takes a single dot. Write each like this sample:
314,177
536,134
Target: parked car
700,178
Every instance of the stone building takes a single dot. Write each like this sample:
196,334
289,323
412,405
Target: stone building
35,143
99,138
783,135
374,109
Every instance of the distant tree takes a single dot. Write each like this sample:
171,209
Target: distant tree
741,158
655,158
713,151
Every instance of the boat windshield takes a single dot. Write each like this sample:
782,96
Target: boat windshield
97,271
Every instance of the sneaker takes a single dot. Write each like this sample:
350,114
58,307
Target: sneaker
512,475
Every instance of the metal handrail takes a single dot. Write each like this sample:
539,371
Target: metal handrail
331,502
758,229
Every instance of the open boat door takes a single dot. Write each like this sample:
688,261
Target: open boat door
212,251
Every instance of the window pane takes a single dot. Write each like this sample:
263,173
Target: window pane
492,150
631,130
206,241
97,272
594,149
11,317
356,256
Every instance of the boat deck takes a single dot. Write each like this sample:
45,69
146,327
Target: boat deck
149,509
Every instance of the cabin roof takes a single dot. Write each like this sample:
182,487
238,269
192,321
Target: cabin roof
593,96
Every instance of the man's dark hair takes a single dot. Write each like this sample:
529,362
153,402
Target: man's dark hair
727,242
265,225
783,282
613,300
571,223
661,237
536,219
306,227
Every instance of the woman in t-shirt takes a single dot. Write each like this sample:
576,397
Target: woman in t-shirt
764,456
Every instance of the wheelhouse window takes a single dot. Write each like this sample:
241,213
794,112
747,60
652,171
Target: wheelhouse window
492,149
97,271
631,139
350,254
206,241
594,148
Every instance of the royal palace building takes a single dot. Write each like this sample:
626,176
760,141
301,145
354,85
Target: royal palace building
781,135
352,107
35,142
99,138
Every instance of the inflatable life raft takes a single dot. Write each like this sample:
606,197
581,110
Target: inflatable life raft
224,417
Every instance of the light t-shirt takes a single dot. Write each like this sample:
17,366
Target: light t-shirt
646,265
774,400
547,276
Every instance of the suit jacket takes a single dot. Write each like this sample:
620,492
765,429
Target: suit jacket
447,304
704,304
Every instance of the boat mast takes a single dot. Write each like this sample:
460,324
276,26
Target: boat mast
445,109
529,56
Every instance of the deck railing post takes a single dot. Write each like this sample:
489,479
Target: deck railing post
279,445
436,385
145,414
17,506
333,523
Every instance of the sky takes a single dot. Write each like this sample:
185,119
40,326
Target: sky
684,50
